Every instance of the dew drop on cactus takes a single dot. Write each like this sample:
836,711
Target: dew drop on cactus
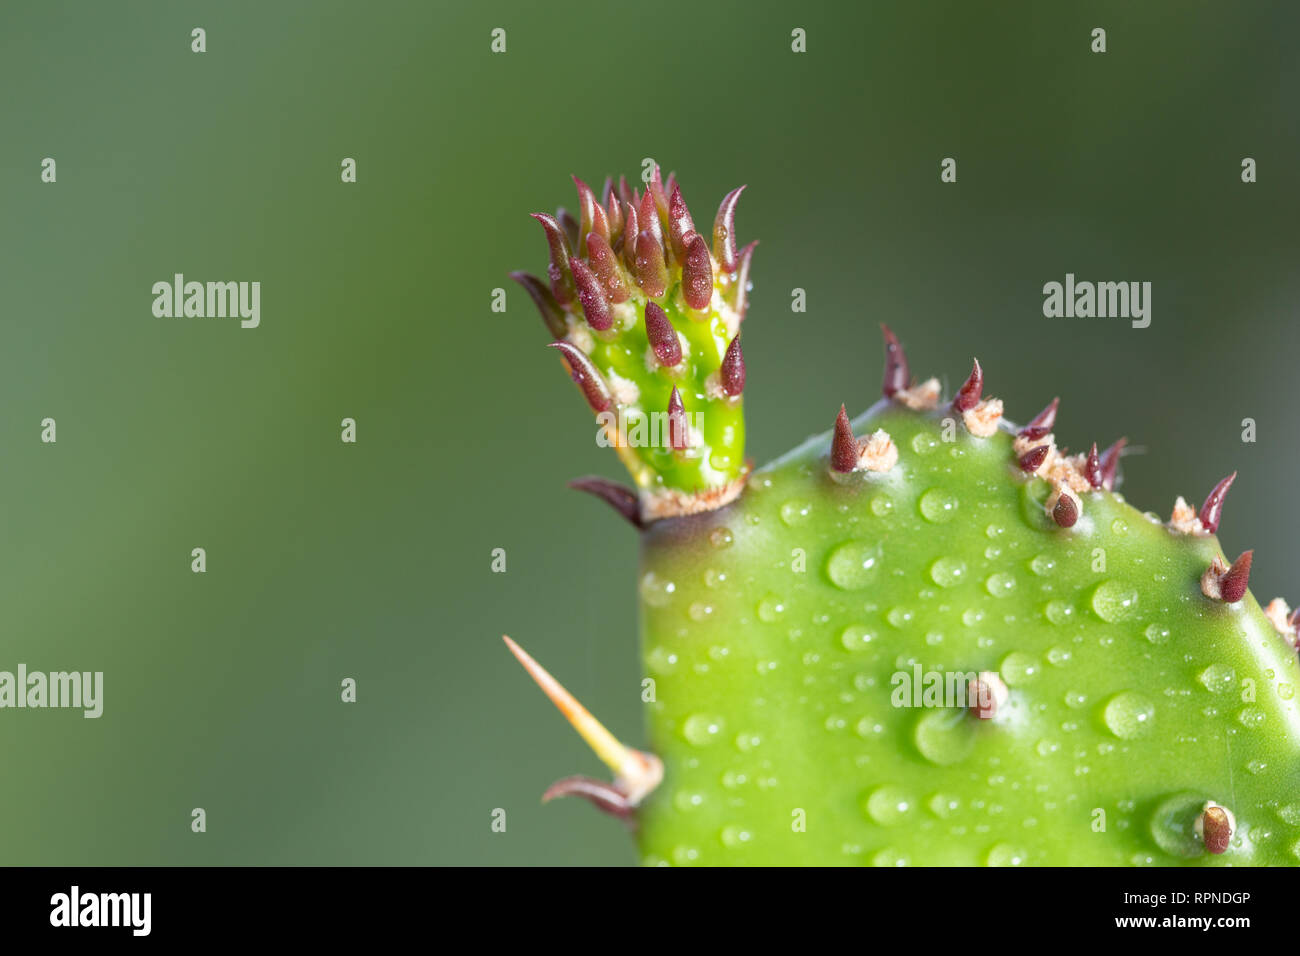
926,636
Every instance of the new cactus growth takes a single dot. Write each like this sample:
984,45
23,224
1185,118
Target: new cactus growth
926,636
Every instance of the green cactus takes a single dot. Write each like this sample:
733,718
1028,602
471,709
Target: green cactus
945,642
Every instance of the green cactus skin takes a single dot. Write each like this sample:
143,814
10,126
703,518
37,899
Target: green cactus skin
773,686
779,609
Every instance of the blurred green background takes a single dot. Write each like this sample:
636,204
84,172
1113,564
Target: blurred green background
372,560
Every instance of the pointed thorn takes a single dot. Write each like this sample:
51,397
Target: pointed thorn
625,192
742,279
724,231
697,272
663,337
1034,434
551,312
844,447
648,217
606,190
1092,467
614,216
655,190
679,223
585,374
629,235
636,773
1216,829
732,371
897,375
678,427
592,215
605,797
1212,510
622,499
1066,512
1033,459
607,747
591,293
569,225
1293,622
1236,579
986,694
604,263
1044,419
969,394
558,271
1110,464
651,270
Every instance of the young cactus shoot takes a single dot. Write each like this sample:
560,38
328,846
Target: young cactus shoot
926,636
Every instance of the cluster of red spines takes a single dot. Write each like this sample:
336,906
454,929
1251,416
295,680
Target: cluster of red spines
631,246
650,234
1101,470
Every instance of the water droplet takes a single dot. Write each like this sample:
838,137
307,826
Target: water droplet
685,855
699,611
1251,717
1129,715
1172,824
1290,813
702,729
734,837
748,741
795,512
937,506
1075,699
868,727
1058,656
1006,854
1046,748
1113,601
923,443
1285,691
855,637
994,531
972,616
853,565
1042,565
714,578
656,591
947,572
1119,526
733,779
688,800
721,538
881,505
662,660
944,737
1217,678
770,609
1058,612
890,857
899,616
1157,633
888,805
1018,668
943,805
1000,584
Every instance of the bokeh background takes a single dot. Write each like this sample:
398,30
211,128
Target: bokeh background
372,560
